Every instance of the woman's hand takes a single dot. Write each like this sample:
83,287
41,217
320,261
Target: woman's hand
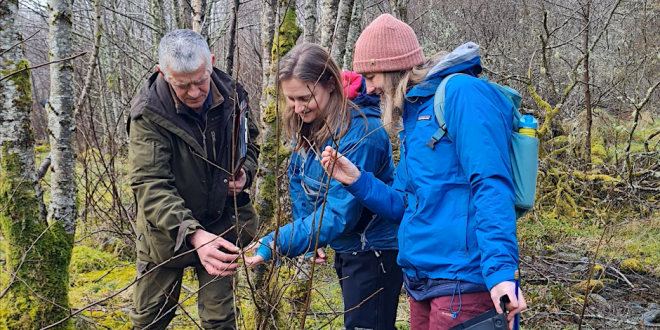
516,305
342,169
320,257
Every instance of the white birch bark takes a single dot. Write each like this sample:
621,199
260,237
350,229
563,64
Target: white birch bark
61,122
197,16
328,18
353,33
341,31
15,101
310,21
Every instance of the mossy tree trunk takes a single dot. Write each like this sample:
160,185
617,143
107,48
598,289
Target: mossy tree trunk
273,153
354,31
341,31
36,293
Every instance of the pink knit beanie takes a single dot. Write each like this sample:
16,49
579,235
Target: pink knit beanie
387,44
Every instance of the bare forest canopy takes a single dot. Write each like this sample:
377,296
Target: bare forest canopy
589,70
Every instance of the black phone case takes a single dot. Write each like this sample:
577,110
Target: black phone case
488,320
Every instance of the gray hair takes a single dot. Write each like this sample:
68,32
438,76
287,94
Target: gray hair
183,51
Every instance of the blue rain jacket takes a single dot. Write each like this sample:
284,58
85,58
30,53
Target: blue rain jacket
454,203
347,226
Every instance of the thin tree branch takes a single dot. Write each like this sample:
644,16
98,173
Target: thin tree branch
42,64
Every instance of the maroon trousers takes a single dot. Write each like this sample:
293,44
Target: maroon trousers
436,314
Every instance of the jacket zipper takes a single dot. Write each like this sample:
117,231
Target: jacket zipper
203,132
363,235
215,157
403,147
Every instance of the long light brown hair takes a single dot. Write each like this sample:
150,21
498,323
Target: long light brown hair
311,64
397,84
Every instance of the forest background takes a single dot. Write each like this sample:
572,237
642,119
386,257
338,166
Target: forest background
589,70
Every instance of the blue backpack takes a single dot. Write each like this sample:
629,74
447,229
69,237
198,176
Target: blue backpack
523,153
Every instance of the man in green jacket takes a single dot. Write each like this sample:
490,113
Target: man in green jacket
192,154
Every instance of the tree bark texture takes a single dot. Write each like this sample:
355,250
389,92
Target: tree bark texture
585,81
341,31
353,33
231,48
310,21
400,10
37,256
61,122
199,12
328,19
158,22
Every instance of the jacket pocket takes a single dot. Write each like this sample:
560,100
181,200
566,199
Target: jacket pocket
312,187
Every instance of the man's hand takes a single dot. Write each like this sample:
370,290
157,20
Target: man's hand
237,183
508,288
343,170
214,261
320,257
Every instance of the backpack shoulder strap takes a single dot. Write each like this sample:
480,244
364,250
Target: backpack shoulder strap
439,111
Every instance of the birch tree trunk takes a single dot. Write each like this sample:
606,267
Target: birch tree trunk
61,122
328,18
232,38
176,14
37,255
400,10
198,15
585,81
310,21
341,31
353,33
158,21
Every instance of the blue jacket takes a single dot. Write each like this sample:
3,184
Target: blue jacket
454,203
347,226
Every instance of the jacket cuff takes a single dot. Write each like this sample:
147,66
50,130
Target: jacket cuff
499,277
357,188
265,249
186,228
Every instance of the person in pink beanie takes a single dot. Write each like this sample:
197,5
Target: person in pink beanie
453,193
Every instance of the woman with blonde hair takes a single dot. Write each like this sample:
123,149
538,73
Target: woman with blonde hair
318,113
453,193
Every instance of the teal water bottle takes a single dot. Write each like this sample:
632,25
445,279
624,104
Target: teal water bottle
527,125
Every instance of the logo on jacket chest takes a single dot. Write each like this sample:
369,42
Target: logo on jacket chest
424,117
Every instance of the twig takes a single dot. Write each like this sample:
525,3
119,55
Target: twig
622,276
20,42
42,64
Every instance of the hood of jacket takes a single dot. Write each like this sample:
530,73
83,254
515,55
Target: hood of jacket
366,100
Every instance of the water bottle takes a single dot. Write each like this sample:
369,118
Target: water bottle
527,125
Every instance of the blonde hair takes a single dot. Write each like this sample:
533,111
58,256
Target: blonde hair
310,63
397,84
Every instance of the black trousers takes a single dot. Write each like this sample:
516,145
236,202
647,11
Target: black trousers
361,275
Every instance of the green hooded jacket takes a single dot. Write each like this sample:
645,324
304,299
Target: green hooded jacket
180,169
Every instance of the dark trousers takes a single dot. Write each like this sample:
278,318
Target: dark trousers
362,274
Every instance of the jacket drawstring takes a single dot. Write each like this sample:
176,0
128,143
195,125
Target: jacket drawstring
460,302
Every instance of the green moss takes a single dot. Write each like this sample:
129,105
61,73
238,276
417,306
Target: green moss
86,259
42,149
45,266
289,33
632,266
595,286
